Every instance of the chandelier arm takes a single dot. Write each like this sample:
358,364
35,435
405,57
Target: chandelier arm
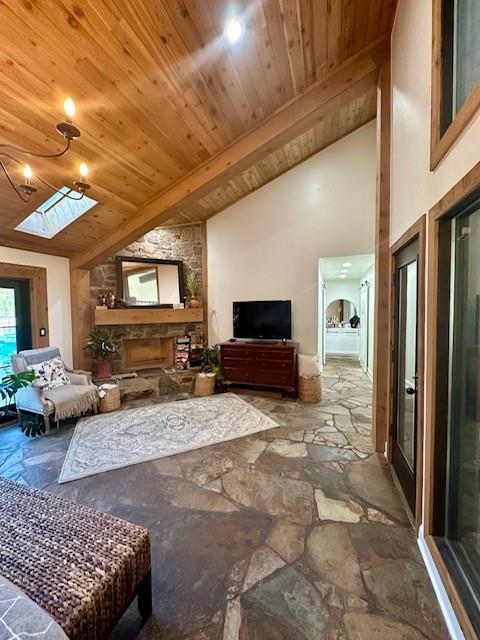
5,154
65,195
19,193
26,152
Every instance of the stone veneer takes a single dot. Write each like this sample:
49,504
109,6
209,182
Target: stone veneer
177,243
172,243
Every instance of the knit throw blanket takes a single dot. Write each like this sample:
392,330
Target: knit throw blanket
72,400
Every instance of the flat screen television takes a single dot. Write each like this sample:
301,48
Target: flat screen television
263,320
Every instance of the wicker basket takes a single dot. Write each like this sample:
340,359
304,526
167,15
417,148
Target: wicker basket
111,399
205,384
309,388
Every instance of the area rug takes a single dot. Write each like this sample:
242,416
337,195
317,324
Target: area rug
122,438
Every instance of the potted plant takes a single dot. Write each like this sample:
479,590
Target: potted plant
192,290
9,385
102,351
211,372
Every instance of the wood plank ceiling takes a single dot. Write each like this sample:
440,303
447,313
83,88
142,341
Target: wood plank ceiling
159,92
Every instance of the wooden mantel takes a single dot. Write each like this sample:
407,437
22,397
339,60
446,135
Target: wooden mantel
106,316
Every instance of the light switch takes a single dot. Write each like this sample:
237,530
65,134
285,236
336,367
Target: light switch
43,332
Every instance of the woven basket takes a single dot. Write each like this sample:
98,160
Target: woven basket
204,384
111,399
309,388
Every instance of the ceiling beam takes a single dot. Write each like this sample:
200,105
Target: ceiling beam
352,78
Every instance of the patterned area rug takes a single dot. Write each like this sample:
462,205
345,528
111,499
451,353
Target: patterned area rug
122,438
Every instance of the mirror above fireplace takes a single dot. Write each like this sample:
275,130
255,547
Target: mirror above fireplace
145,282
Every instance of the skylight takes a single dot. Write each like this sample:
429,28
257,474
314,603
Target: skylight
55,214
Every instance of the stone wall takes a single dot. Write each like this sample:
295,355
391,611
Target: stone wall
176,243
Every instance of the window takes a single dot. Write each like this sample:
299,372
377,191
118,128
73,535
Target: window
458,513
456,71
56,213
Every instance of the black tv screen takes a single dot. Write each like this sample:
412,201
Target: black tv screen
262,320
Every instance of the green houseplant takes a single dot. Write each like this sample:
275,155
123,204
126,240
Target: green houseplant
192,290
206,380
211,360
102,350
9,385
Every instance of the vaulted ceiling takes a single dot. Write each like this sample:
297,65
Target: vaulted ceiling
161,95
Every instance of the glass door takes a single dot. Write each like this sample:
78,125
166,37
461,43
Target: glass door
15,324
404,425
461,543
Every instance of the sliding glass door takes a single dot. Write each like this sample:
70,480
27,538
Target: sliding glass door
460,544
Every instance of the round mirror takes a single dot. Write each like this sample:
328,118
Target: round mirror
342,313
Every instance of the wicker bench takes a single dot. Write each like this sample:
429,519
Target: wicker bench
82,567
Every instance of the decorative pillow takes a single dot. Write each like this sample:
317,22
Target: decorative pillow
50,374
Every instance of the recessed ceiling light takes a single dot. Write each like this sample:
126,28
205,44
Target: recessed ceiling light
344,271
234,29
342,275
347,264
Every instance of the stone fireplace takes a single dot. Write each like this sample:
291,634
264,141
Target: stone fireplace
148,353
149,349
143,347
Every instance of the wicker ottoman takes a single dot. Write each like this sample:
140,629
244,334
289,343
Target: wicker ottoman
82,567
111,400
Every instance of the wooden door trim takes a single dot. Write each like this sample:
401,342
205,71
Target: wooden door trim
37,280
440,143
451,589
439,212
416,231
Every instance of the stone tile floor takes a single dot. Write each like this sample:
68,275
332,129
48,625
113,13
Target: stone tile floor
294,534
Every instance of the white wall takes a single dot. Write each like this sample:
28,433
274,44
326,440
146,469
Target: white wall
58,292
267,245
414,189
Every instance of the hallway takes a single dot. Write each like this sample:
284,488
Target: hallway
293,534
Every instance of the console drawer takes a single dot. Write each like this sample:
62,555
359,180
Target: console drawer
274,378
237,362
236,352
260,365
275,354
237,375
273,365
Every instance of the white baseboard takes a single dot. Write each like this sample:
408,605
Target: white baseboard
446,608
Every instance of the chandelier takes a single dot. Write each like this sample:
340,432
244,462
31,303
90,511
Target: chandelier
12,154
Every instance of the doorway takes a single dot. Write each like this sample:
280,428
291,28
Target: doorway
345,308
407,369
15,321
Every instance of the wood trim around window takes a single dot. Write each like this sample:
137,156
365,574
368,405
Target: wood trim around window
417,230
37,279
440,144
439,212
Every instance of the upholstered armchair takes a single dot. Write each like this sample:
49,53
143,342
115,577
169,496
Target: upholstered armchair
73,399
